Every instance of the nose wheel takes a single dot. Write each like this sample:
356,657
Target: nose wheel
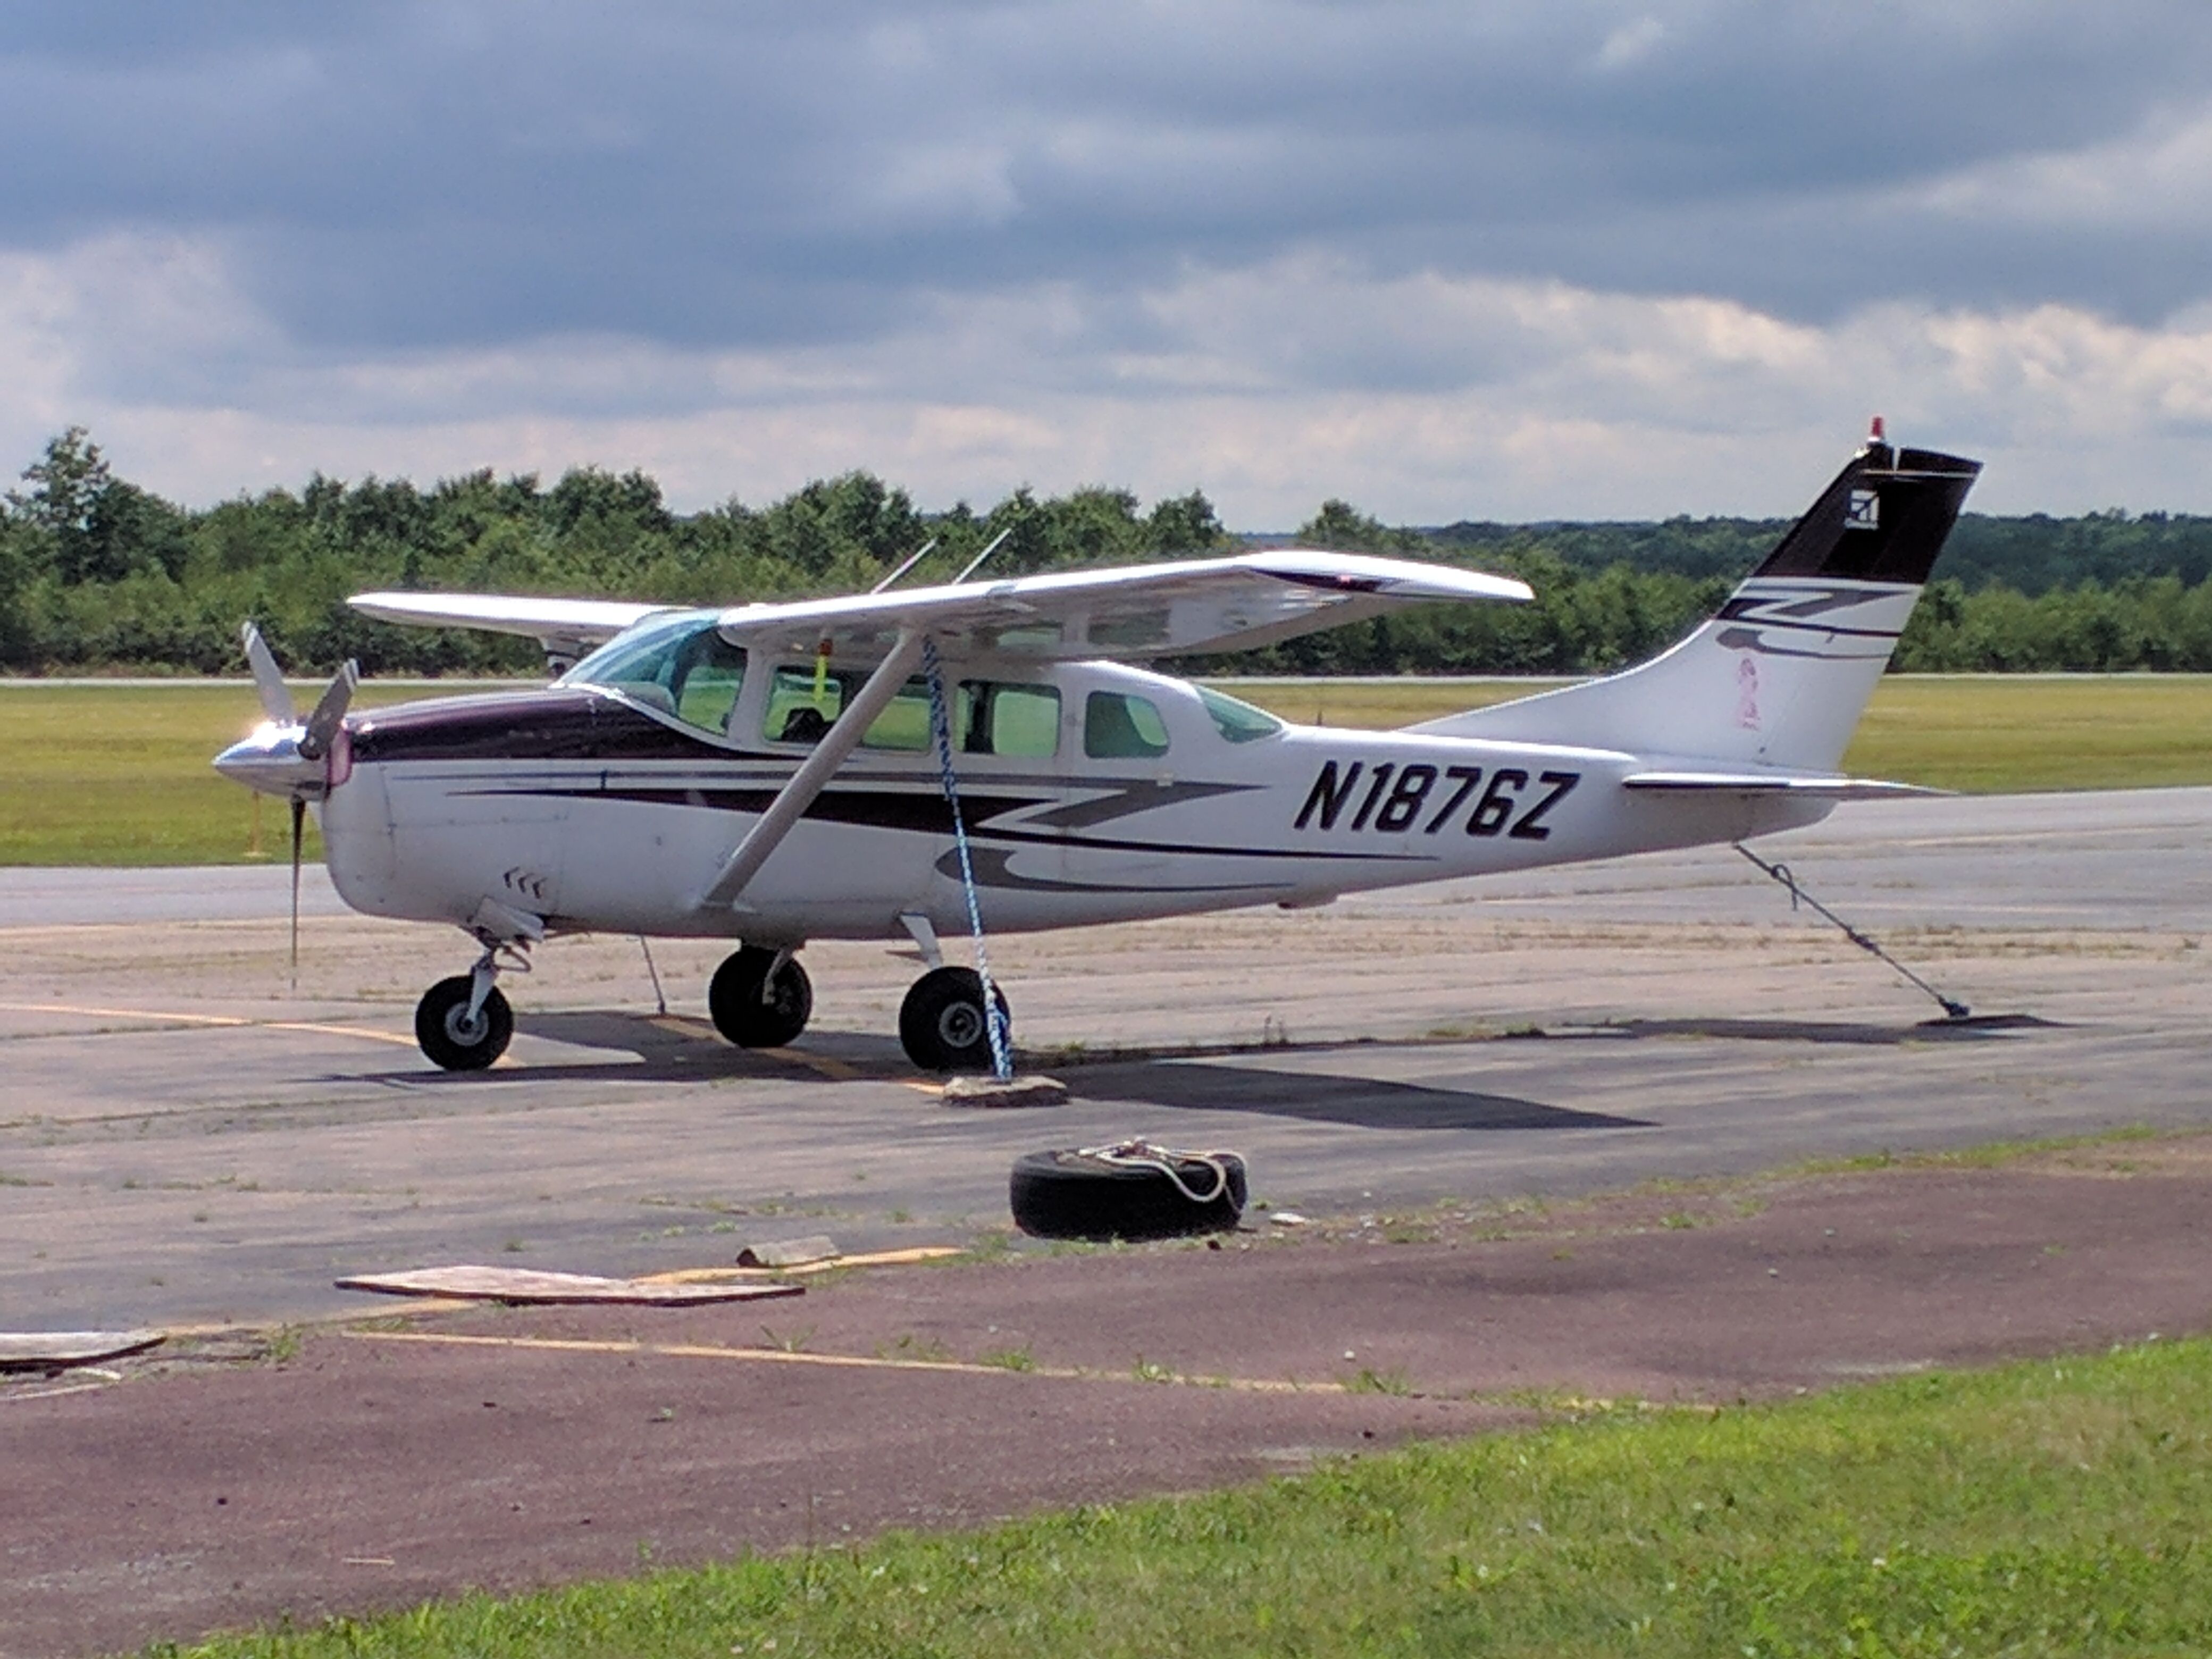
942,1025
458,1030
760,999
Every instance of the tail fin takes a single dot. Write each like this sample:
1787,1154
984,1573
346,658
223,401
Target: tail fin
1780,676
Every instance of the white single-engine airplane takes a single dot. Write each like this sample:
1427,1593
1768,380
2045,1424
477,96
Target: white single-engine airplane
871,767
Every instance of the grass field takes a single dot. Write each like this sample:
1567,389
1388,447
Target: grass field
2049,1508
118,775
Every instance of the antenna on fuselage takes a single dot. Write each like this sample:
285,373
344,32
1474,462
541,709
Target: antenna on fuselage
985,553
912,560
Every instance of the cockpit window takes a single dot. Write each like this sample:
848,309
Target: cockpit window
682,666
1239,722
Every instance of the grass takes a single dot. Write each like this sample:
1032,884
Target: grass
2041,1508
1974,732
118,775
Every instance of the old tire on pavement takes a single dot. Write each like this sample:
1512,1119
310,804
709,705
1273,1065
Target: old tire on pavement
1074,1194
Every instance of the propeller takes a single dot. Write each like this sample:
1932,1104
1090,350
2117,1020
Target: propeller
268,679
324,729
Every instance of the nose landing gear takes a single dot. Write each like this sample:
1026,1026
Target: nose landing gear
463,1024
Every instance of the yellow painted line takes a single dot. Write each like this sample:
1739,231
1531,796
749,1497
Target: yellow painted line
834,1361
677,1025
360,1031
836,1070
121,1013
937,1089
226,1022
874,1259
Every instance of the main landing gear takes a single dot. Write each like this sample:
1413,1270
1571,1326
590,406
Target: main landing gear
942,1025
759,997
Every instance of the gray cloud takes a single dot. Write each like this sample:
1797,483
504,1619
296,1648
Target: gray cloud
1534,256
461,173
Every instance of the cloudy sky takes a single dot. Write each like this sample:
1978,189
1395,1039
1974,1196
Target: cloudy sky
1503,258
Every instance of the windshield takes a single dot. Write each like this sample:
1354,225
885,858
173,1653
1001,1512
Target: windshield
680,664
1239,722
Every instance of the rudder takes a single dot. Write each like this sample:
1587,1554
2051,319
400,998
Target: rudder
1780,674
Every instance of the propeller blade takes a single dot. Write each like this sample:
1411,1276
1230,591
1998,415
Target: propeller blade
299,831
268,679
323,724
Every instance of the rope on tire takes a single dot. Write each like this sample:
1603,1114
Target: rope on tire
940,722
1143,1155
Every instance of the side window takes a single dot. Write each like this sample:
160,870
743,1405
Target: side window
795,715
795,712
1009,720
904,723
709,674
1119,727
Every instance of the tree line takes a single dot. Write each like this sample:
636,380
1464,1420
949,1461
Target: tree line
98,574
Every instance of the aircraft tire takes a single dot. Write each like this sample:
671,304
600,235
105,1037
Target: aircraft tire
941,1022
741,1014
1072,1195
447,1037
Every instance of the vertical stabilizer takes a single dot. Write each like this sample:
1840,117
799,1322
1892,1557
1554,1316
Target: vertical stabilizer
1780,676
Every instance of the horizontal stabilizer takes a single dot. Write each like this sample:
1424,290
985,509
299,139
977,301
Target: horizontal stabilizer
1819,787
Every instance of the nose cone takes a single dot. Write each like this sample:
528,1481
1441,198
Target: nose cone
270,760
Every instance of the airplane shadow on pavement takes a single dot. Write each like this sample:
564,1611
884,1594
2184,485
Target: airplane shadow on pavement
1369,1103
1973,1028
683,1050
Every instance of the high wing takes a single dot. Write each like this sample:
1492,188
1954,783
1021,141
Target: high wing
1139,612
565,627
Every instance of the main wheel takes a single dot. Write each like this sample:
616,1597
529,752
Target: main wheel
752,1013
1072,1194
941,1024
454,1039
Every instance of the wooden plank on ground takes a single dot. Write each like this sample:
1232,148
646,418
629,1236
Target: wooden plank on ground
49,1350
478,1284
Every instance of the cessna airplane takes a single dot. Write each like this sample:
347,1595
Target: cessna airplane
897,764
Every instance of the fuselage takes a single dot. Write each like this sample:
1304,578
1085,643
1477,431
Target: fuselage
1091,793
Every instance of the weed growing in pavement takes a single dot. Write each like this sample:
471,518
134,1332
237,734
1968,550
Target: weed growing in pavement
1009,1359
788,1341
1368,1380
931,1351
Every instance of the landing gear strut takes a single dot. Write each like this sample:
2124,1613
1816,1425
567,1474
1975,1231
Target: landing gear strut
760,999
942,1025
463,1022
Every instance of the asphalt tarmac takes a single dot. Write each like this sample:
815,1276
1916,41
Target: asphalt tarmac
185,1138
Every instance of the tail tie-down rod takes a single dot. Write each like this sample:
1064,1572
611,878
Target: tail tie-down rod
1781,873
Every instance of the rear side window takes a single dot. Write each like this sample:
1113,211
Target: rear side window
1119,727
799,711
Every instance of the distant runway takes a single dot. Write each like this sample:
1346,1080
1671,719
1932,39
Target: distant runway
184,1139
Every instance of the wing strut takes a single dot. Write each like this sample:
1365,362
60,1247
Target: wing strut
792,801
